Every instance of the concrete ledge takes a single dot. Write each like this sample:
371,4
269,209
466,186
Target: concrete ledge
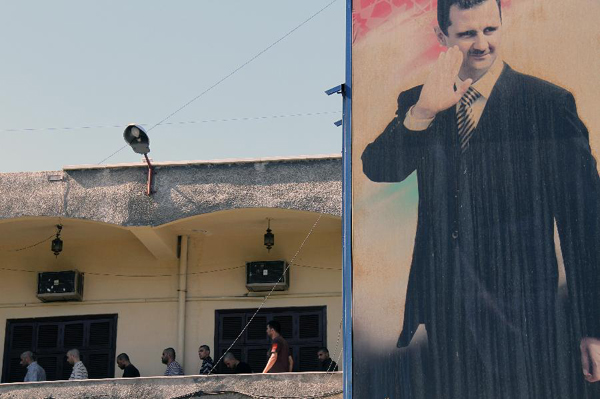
142,163
116,195
263,386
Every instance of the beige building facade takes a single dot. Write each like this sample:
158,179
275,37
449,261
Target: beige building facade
169,270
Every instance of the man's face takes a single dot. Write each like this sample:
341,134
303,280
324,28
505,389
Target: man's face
477,33
229,363
70,359
164,358
25,361
121,363
322,356
270,332
203,353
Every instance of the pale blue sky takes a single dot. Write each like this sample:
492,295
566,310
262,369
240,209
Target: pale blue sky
74,63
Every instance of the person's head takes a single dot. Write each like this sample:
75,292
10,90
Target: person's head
73,356
230,360
273,328
323,354
203,351
27,358
123,361
168,356
475,27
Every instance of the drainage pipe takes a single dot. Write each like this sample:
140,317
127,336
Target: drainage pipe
182,293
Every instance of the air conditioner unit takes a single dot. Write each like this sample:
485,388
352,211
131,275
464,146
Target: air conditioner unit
60,286
263,276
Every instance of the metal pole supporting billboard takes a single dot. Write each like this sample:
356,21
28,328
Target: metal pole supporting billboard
347,207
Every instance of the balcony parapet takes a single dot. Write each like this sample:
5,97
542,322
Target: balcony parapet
242,386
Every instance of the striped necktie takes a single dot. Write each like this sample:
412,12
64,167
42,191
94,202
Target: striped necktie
464,117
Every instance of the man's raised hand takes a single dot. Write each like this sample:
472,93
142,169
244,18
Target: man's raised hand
590,358
438,92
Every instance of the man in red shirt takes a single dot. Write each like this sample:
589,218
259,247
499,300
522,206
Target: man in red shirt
280,360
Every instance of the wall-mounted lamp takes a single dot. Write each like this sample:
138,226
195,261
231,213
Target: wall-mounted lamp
136,137
269,237
57,243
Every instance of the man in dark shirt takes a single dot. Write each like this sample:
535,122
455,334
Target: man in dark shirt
207,362
129,370
280,360
237,367
325,362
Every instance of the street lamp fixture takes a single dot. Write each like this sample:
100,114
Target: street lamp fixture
269,237
57,243
136,137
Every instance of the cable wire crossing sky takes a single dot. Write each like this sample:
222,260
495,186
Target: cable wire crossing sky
260,66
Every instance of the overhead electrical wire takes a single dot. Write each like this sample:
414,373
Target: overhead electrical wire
9,269
234,119
230,74
33,245
30,246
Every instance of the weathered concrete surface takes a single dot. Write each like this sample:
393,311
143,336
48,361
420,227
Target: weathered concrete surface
116,194
288,386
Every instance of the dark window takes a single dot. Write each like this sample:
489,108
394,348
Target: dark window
73,337
309,326
51,338
303,329
47,336
22,336
100,334
232,327
307,357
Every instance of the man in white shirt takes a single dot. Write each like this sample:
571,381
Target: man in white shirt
79,371
499,156
35,372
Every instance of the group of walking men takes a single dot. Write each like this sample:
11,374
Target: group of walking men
279,361
279,357
35,372
208,365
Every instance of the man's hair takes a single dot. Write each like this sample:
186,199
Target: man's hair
28,355
123,356
443,10
205,347
75,353
229,356
274,324
324,350
170,353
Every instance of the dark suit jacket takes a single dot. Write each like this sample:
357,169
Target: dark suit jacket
484,255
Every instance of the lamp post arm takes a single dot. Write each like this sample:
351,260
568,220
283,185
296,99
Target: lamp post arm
150,185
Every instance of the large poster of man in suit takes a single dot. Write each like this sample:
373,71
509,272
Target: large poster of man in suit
476,199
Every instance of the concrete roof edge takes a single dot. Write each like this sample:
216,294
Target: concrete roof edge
318,157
